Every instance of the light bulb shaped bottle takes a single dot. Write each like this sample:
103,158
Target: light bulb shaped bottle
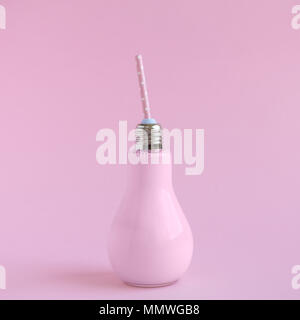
150,241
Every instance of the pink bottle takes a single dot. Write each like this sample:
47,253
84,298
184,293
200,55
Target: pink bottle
150,242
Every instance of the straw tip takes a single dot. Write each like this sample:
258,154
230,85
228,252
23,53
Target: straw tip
138,56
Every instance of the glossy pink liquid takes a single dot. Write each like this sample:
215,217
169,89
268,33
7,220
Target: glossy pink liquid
150,242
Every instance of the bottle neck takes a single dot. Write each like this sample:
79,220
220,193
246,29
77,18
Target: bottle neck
154,169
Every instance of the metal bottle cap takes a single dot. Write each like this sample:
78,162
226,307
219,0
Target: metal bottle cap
148,136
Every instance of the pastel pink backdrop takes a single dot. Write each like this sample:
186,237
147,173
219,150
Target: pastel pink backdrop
67,70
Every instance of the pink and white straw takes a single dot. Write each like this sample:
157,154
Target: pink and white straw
143,87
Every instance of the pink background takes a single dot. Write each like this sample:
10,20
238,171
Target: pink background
67,70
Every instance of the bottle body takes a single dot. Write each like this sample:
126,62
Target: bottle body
150,241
